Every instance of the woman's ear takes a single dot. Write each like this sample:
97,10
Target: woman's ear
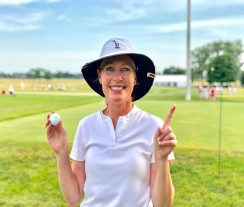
99,76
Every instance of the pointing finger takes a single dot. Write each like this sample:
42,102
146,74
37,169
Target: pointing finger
169,117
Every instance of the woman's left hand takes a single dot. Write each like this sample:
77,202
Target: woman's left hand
164,138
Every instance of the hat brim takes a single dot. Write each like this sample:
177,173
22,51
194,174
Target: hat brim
145,74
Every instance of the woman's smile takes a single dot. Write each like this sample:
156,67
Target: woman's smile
118,78
117,88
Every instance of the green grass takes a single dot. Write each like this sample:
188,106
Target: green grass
197,182
28,171
32,128
196,124
28,176
21,105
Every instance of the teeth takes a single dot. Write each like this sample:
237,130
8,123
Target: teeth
117,88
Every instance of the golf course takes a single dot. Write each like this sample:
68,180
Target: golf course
209,166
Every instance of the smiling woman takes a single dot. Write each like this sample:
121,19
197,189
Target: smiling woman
117,47
117,77
119,145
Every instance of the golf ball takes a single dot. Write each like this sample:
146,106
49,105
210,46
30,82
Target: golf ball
54,118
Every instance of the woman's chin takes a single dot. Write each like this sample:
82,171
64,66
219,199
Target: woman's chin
117,99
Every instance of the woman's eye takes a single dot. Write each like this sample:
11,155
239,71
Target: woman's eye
126,69
109,69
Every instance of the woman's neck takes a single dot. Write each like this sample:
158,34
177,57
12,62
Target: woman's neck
115,111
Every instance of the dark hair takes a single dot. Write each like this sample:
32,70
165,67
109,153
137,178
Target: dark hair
105,62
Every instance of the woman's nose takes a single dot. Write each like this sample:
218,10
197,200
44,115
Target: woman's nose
117,76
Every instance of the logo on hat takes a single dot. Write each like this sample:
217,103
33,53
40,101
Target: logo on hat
116,44
151,75
145,69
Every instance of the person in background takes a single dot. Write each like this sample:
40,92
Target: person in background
200,91
11,90
212,94
205,92
120,154
234,89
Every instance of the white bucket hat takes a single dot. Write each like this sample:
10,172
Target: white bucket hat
145,71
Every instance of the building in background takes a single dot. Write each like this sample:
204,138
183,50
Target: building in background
178,81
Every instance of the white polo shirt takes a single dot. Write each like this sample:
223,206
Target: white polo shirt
117,161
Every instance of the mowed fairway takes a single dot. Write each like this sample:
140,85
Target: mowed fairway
28,168
197,124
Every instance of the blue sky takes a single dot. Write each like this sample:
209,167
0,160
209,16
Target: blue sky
66,34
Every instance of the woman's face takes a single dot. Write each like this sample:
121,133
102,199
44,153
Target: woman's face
118,78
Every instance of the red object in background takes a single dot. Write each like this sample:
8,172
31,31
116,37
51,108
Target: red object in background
3,92
212,94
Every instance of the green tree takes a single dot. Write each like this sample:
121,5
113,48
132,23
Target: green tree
34,73
2,75
59,74
242,79
221,69
174,70
202,56
38,73
47,75
200,59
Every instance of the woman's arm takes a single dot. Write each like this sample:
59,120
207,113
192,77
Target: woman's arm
162,190
71,178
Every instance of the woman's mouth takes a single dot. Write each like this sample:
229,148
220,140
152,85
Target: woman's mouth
117,88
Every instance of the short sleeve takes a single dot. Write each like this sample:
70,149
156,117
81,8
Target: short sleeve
77,152
171,156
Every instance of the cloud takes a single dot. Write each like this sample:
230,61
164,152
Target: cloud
14,28
15,2
64,17
19,2
218,2
203,23
53,1
118,11
70,61
22,22
26,18
127,9
225,24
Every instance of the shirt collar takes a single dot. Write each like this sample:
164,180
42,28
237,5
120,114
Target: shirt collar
133,113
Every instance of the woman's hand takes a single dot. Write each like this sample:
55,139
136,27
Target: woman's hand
164,138
56,136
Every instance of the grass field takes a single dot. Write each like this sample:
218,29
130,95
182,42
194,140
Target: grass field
28,168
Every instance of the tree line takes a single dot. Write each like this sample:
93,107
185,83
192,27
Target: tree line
218,61
38,73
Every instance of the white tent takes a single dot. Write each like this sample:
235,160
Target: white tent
178,81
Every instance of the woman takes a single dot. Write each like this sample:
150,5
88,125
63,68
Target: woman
120,154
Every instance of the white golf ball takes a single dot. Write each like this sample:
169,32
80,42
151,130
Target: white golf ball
54,118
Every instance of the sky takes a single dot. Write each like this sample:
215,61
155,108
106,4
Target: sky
63,35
